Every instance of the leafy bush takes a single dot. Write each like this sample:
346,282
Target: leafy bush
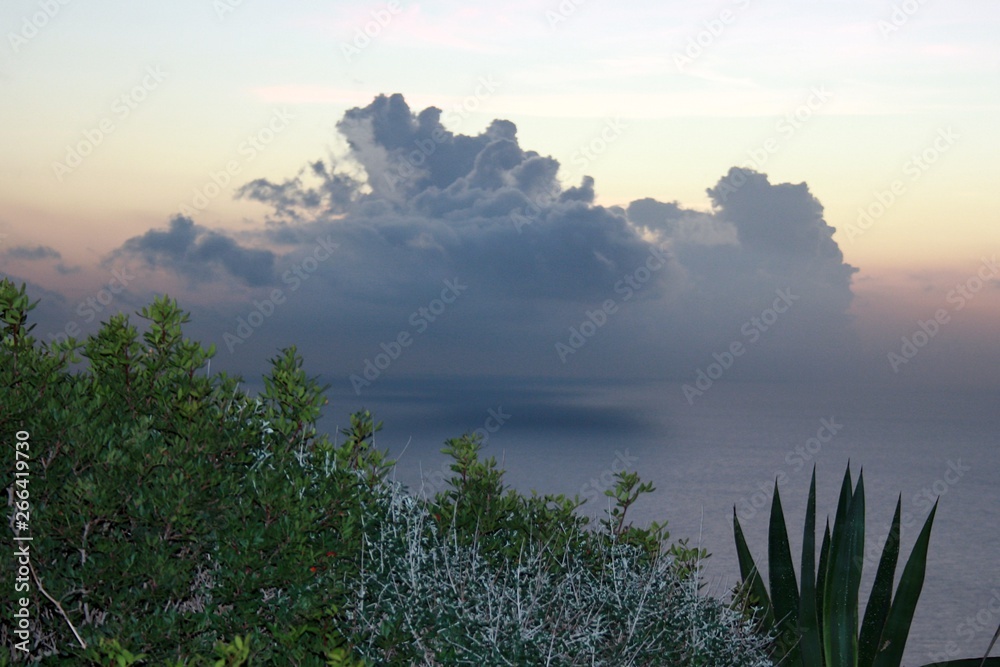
171,511
177,520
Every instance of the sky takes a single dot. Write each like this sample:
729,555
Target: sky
698,192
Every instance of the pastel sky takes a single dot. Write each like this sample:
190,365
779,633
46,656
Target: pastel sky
117,117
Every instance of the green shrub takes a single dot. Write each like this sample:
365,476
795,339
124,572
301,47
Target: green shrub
171,511
177,520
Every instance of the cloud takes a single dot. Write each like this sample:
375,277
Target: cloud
33,253
412,204
199,254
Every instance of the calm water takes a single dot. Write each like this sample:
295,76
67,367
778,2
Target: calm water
727,449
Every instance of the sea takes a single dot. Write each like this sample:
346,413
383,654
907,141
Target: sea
721,452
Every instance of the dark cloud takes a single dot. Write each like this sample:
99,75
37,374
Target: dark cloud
198,253
434,204
784,222
413,204
33,253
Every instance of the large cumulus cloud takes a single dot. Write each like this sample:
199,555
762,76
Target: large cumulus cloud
413,204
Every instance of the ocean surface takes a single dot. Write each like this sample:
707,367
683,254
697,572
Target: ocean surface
725,449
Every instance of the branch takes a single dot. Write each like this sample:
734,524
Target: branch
62,611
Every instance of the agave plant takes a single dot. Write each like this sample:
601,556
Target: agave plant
816,625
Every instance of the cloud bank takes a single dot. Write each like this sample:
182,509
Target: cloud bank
359,258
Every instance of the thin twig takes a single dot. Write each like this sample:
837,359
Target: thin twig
62,611
996,635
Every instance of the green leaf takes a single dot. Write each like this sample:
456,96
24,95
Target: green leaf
881,596
824,563
840,601
751,576
781,576
897,625
809,632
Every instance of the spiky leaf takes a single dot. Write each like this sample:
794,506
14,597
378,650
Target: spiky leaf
781,577
751,576
811,649
824,563
897,624
840,602
881,596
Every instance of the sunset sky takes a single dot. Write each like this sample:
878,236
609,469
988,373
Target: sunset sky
119,117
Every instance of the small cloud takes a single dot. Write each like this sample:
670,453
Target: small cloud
199,253
32,253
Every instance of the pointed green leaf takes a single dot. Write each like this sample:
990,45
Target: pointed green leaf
810,647
880,598
751,576
840,601
824,563
897,625
843,506
781,577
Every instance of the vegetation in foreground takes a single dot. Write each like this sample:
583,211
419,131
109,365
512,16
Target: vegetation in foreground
176,520
817,624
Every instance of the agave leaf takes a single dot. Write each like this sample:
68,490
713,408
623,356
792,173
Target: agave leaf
751,576
881,596
843,505
809,634
824,563
781,577
897,624
840,600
